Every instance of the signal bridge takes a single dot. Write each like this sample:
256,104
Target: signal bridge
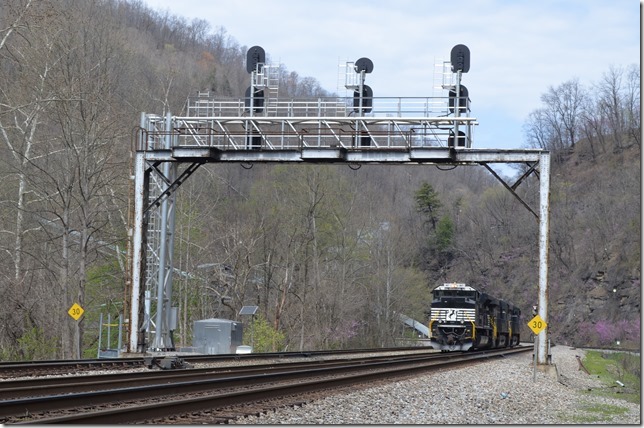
357,130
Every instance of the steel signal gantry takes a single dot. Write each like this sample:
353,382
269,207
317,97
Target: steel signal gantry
422,130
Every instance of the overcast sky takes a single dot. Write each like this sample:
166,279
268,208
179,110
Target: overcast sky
518,48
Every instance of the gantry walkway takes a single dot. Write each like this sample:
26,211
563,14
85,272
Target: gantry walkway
395,130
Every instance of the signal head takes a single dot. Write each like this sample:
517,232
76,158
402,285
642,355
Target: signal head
363,64
254,56
460,59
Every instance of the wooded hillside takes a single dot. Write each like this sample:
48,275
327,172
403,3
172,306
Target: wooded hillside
330,255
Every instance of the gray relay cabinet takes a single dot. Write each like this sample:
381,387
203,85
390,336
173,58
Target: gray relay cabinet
217,336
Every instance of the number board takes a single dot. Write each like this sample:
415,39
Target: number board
537,324
75,311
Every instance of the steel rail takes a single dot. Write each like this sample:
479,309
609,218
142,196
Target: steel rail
161,387
101,363
14,389
299,382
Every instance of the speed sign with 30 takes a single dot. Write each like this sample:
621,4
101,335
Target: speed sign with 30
537,324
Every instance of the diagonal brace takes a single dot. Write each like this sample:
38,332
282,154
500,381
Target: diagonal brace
511,188
173,186
531,169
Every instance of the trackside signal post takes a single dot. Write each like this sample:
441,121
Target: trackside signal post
405,131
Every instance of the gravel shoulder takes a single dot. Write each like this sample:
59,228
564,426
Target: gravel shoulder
502,391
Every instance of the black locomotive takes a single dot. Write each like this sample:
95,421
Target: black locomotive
462,319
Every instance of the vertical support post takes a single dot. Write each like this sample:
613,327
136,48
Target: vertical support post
160,324
100,335
120,342
535,347
544,210
457,106
361,89
138,252
253,78
170,255
109,329
164,277
358,139
468,127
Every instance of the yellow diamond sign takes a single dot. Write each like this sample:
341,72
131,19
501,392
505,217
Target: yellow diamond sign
75,311
537,324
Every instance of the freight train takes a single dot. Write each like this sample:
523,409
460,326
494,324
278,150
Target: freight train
463,318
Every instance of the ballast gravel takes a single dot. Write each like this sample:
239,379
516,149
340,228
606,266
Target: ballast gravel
502,391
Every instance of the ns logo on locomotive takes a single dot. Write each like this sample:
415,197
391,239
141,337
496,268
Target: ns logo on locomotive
462,319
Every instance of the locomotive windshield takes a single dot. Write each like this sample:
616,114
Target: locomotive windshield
455,293
459,298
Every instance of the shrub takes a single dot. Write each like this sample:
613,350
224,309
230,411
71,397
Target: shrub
607,332
263,337
34,345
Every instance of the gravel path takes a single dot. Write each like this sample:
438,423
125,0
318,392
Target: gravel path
499,392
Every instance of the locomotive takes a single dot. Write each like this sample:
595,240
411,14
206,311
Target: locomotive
463,318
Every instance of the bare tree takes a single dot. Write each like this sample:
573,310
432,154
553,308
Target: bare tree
28,55
593,128
633,104
618,102
556,126
73,171
14,19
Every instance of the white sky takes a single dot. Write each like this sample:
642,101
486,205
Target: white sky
518,47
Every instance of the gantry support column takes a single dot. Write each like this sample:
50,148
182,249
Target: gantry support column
544,212
139,233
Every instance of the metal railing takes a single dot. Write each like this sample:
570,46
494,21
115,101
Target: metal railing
400,107
293,124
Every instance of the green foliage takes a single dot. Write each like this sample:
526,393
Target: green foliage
444,233
413,293
263,337
107,274
594,413
35,345
609,367
103,295
435,253
616,366
428,203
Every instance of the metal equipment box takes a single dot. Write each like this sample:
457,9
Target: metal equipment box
217,336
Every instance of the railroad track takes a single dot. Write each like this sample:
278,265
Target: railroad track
12,369
214,395
38,386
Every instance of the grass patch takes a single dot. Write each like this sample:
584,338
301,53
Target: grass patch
593,413
610,367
